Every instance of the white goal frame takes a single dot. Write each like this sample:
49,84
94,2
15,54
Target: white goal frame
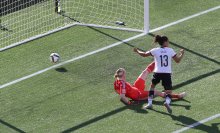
145,30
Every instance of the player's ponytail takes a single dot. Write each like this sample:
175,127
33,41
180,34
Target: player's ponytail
119,73
160,39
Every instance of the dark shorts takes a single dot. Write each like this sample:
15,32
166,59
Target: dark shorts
165,78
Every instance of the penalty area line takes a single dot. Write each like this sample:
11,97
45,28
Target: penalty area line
107,47
197,123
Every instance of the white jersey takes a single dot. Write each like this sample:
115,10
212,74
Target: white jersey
163,59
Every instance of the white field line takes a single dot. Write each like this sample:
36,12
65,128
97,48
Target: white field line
107,47
197,123
71,60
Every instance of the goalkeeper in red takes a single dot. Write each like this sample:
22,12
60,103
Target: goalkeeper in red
137,91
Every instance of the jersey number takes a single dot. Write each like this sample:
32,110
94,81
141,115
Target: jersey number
164,60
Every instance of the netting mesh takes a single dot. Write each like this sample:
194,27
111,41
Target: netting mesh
23,19
27,21
107,12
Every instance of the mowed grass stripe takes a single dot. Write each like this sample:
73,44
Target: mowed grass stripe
107,47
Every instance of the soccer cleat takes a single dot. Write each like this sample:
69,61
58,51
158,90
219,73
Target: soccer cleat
168,107
182,95
148,106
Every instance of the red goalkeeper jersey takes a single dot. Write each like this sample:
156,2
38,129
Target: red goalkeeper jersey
122,87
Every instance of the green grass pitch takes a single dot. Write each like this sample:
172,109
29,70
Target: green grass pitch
80,97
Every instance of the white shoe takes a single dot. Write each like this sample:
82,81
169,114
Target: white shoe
148,106
168,107
182,95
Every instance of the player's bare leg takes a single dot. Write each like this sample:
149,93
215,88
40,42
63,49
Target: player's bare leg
182,95
144,74
148,70
173,95
178,96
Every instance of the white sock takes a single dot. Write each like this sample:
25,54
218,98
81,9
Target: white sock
168,100
150,100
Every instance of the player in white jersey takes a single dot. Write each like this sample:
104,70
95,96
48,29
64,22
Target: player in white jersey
163,56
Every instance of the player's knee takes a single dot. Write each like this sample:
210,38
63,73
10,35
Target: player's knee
145,72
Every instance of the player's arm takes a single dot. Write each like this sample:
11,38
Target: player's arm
142,53
178,57
124,99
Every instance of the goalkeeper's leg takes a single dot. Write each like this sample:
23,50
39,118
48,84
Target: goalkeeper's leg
140,82
173,95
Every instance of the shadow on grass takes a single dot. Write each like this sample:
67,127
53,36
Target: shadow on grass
185,121
97,30
61,69
93,120
187,107
11,126
135,108
138,108
189,81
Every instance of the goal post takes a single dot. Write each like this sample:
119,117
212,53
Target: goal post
146,16
57,6
25,20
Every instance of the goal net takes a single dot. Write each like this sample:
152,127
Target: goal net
25,20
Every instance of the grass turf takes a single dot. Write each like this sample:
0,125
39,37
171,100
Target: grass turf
82,99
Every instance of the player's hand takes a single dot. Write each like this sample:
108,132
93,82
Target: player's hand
135,50
132,102
125,103
182,51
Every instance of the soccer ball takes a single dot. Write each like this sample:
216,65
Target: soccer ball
54,57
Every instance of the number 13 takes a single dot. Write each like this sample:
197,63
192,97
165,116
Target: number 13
164,60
